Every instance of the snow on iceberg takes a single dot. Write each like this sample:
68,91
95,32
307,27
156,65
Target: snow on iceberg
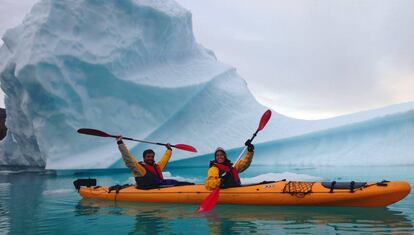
126,67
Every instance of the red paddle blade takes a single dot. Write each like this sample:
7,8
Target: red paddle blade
265,118
185,147
87,131
210,201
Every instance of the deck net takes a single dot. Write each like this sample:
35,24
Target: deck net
298,189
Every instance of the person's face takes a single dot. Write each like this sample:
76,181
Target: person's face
220,157
149,158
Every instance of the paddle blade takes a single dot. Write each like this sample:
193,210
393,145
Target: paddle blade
185,147
265,118
210,201
87,131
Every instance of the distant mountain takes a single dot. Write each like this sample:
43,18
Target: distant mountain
3,128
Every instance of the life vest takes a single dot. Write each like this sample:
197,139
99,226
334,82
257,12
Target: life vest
228,175
151,179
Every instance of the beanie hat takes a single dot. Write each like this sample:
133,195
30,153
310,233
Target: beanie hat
226,161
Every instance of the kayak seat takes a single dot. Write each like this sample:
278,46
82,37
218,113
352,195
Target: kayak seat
343,185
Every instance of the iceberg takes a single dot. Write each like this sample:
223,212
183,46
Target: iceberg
126,67
134,68
381,141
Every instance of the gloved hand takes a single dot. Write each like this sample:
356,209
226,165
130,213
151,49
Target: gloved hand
168,146
250,146
119,139
212,183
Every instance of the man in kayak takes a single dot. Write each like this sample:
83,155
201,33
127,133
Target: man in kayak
148,174
222,173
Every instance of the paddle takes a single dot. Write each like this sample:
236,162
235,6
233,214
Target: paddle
263,121
88,131
211,200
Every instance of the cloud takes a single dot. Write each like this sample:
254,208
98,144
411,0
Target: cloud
314,58
12,13
307,59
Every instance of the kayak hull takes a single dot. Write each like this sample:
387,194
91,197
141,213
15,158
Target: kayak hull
272,193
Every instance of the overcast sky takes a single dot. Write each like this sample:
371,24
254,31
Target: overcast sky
306,59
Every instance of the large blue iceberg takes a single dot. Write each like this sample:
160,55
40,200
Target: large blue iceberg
385,140
134,68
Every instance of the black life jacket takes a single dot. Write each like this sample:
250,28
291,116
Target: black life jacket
151,179
228,174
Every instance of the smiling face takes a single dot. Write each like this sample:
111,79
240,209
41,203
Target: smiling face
149,159
220,156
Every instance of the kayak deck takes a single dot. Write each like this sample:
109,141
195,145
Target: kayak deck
369,194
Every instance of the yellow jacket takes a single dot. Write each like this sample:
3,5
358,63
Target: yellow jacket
213,179
136,169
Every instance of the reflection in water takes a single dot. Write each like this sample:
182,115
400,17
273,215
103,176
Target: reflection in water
226,219
23,198
146,223
337,219
35,203
149,218
4,210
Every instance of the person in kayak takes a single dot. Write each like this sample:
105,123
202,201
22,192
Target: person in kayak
148,173
222,173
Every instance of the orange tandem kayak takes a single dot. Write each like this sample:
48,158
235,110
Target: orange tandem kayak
362,194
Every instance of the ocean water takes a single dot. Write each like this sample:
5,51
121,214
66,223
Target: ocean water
47,203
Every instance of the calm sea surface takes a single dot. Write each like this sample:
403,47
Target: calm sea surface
47,203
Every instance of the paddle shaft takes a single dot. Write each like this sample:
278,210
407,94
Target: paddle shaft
245,147
142,141
94,132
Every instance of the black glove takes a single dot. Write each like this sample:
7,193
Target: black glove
119,139
250,146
